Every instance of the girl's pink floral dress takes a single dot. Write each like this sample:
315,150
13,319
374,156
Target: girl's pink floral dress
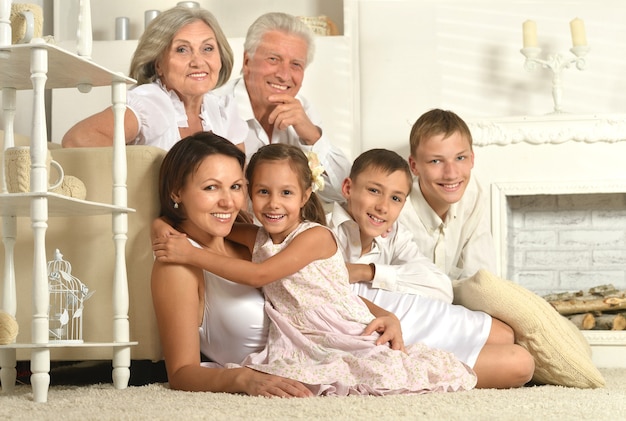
315,337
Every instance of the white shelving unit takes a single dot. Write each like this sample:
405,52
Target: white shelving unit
40,66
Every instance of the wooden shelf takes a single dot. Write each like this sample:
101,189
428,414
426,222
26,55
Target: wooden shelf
19,204
65,69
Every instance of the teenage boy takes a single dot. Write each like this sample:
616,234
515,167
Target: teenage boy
447,211
390,272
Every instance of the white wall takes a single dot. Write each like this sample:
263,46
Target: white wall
460,55
454,54
234,15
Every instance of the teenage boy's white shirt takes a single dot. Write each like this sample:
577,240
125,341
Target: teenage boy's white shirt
399,265
467,240
336,164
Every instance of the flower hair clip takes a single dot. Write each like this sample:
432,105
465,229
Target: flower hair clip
317,181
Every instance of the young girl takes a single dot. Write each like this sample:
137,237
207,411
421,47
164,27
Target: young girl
317,323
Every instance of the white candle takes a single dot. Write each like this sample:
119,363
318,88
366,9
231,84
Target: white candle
529,30
122,25
579,37
148,16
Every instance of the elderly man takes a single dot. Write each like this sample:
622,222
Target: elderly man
277,50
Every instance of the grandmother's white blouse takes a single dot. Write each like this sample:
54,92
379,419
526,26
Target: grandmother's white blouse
160,113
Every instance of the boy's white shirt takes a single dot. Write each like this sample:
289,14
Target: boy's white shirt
400,266
468,241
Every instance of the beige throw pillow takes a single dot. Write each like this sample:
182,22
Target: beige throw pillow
562,354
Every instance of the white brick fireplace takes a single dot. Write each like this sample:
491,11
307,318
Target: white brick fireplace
558,201
562,236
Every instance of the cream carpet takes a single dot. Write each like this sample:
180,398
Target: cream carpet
156,402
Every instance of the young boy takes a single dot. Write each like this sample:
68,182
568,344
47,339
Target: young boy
391,272
447,211
378,185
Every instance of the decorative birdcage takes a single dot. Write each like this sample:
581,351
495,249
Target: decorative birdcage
67,297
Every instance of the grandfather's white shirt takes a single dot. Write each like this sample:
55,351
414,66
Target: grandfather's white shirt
400,267
465,234
335,163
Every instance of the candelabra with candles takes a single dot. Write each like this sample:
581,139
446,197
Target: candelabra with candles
555,62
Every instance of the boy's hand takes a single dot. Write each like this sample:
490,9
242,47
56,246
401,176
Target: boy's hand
173,249
160,228
360,272
390,331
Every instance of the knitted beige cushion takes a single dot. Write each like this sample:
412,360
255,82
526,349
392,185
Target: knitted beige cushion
562,354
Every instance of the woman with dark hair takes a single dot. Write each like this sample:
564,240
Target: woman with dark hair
182,55
201,190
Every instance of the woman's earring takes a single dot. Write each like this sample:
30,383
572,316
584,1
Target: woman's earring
175,205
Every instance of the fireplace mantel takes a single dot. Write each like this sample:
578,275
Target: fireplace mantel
549,129
553,154
553,148
546,155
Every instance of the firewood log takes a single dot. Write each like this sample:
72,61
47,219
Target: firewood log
604,290
563,296
594,292
573,306
583,321
610,322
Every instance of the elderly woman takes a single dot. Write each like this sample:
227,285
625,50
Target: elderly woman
182,55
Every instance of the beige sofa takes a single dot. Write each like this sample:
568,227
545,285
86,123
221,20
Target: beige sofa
87,243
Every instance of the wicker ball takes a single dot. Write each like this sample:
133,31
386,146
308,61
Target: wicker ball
8,328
